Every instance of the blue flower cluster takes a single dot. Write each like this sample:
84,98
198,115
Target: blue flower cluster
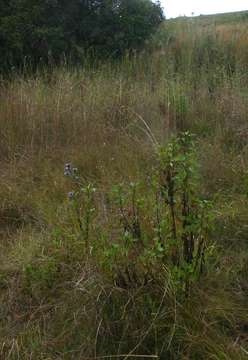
71,171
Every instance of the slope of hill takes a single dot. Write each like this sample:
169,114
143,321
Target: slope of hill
221,18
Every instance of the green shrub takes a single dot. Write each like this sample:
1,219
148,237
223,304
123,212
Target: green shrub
36,32
164,222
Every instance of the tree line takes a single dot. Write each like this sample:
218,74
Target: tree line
37,31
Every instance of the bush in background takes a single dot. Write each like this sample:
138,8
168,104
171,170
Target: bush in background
35,31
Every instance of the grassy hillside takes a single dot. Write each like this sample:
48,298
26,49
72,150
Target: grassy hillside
93,263
229,18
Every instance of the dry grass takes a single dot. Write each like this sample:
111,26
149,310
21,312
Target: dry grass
55,304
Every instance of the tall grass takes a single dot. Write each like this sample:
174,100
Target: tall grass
57,303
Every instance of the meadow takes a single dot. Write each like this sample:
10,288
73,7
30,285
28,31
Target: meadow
99,164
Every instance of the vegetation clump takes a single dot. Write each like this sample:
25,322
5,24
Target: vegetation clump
169,225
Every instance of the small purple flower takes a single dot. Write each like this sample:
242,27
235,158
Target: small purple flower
70,195
67,169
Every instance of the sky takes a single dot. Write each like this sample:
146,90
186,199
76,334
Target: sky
174,8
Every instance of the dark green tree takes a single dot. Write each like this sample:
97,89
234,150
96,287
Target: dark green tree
37,31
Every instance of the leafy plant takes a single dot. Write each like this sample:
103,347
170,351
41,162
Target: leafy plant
81,201
162,223
188,213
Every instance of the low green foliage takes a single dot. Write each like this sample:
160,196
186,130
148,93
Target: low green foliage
41,274
163,222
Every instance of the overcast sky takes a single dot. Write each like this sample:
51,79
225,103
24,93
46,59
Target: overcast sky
175,8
